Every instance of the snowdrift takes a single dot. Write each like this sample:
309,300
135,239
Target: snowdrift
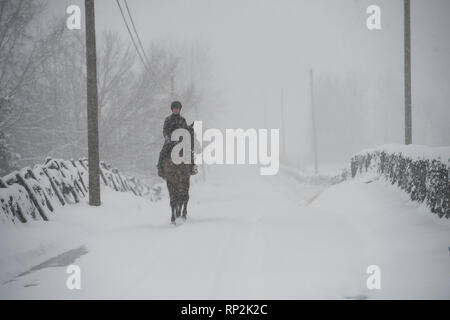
423,172
317,179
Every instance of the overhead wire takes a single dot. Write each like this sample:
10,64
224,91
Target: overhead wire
132,38
137,34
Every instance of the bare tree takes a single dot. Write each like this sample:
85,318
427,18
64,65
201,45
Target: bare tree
43,88
23,48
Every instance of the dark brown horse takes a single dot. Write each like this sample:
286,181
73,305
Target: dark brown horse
177,177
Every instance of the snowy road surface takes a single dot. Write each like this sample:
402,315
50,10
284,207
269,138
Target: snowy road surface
247,236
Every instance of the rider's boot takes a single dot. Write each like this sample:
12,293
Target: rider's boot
194,168
160,164
160,172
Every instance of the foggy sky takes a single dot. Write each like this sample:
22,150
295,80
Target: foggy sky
261,46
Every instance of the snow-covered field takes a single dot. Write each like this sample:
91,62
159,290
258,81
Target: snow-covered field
247,237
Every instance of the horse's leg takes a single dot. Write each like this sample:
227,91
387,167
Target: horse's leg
185,203
178,204
186,197
172,219
180,199
172,201
185,208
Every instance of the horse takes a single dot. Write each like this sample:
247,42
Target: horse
177,177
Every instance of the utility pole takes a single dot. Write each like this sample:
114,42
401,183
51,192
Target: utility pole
196,112
313,118
92,106
283,131
407,49
265,113
172,92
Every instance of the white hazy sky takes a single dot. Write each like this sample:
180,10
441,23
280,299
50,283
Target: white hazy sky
261,46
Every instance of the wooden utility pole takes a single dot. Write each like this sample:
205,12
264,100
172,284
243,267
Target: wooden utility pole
92,106
172,89
265,114
313,119
283,129
407,49
196,111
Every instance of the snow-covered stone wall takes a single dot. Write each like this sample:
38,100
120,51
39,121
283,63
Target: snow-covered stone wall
36,193
421,171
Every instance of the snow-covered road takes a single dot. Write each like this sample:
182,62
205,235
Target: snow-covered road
247,236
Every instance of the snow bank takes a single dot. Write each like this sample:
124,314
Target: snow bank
29,244
317,179
421,171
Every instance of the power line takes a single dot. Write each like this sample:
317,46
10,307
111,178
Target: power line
131,36
137,34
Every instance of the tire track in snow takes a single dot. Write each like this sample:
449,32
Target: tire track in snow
240,267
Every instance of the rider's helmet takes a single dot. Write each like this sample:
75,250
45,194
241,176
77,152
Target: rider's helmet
175,104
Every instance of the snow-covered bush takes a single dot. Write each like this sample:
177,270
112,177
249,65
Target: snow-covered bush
421,171
342,176
36,193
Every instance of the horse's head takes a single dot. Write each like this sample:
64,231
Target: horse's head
195,144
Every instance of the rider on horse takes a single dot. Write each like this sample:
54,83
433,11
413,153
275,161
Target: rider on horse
171,123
